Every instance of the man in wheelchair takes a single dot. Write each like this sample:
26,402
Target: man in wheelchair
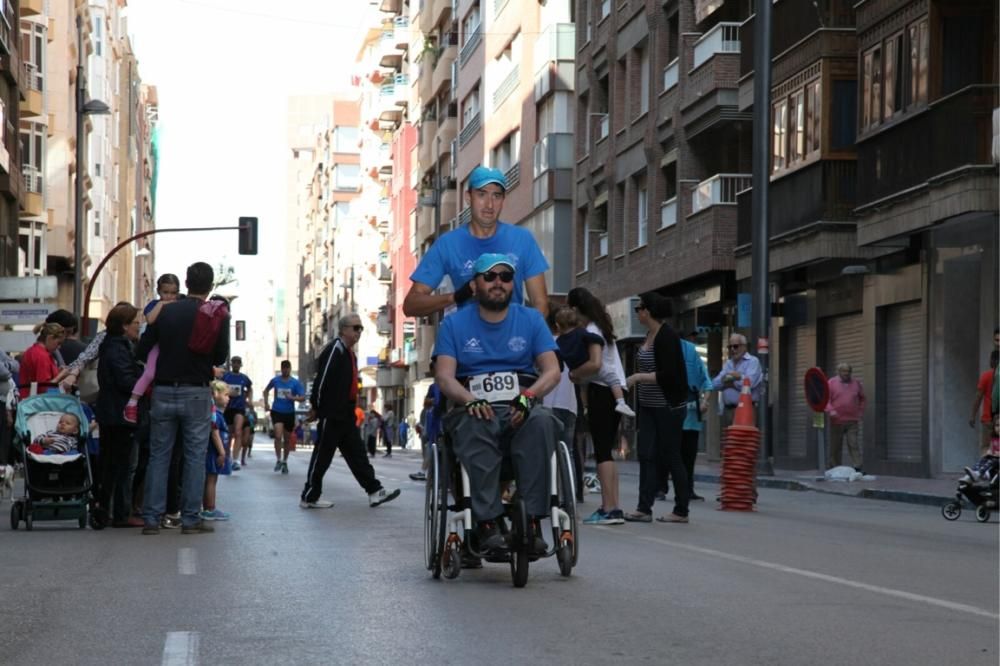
494,363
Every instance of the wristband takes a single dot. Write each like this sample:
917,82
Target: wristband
463,293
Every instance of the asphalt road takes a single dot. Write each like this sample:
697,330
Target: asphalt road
807,579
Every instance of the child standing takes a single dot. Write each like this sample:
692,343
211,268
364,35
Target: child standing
168,289
217,460
574,343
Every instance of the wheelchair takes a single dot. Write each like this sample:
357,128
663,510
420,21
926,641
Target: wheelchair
449,528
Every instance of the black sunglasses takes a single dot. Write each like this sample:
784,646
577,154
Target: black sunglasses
639,307
735,346
505,276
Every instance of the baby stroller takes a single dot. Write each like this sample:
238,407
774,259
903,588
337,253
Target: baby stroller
57,486
982,493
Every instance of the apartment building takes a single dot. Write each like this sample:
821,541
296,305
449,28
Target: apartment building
13,88
883,218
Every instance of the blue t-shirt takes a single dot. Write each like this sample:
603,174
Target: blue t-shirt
698,380
284,389
455,253
239,385
479,346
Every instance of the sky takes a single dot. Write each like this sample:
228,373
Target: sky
223,70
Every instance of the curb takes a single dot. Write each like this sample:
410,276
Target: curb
907,497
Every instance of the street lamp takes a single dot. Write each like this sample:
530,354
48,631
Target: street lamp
84,108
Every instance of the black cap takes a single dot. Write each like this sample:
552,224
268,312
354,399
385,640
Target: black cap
64,318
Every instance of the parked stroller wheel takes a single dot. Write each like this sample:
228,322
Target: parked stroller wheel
951,511
28,520
15,515
982,514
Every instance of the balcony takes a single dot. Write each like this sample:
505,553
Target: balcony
33,104
470,46
711,96
383,271
557,43
433,13
425,149
719,190
722,38
668,213
952,133
552,185
791,22
465,216
441,75
449,205
425,223
446,132
470,130
513,176
824,191
553,151
670,74
33,188
32,7
506,87
401,31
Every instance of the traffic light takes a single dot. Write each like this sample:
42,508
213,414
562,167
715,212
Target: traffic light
248,235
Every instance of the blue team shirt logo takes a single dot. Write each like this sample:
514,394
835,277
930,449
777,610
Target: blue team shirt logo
473,346
517,344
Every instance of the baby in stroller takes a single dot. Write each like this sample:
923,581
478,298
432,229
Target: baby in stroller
987,467
61,440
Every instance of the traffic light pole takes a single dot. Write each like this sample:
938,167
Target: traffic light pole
85,320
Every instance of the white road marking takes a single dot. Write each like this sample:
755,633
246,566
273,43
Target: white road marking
815,575
187,562
180,649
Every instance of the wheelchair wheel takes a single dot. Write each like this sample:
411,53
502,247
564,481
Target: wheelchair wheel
519,542
569,540
951,511
435,511
451,560
982,514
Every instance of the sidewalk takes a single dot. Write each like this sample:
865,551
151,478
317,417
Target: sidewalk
933,492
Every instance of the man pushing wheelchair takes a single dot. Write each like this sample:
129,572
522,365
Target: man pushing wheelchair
494,362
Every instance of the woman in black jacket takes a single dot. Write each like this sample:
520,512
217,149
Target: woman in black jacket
117,373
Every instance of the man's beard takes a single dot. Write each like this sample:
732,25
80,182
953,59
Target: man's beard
493,304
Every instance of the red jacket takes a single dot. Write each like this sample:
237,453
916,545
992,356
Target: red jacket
37,365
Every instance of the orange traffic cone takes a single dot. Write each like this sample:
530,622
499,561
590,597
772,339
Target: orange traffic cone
744,410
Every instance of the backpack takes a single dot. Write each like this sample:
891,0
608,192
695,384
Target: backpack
208,322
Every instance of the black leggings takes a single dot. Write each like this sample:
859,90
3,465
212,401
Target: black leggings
603,420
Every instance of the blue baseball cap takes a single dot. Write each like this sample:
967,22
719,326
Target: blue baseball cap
489,260
482,176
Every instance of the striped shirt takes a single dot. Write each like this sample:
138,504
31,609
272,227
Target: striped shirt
650,395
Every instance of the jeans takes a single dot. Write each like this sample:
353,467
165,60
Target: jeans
659,451
481,446
118,463
186,410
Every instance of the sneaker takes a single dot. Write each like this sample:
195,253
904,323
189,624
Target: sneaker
489,537
277,466
381,496
169,522
624,410
613,517
150,530
595,518
200,527
638,517
538,545
672,518
214,514
284,468
236,466
318,504
418,476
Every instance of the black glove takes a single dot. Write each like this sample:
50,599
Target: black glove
463,293
523,403
472,404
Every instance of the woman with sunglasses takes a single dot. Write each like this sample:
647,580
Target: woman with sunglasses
663,400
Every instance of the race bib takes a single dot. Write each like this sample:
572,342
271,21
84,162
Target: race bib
495,386
235,389
284,393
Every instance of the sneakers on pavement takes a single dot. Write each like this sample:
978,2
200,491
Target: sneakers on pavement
277,466
381,496
131,413
638,517
624,410
672,518
214,514
284,468
318,504
150,530
236,466
595,518
198,528
613,517
170,522
418,476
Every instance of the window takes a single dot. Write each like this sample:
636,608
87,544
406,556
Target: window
33,51
470,24
32,136
97,222
605,8
843,115
893,75
918,62
97,169
643,81
871,101
97,36
797,129
345,139
506,153
778,150
470,107
31,248
347,176
642,214
599,225
814,114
